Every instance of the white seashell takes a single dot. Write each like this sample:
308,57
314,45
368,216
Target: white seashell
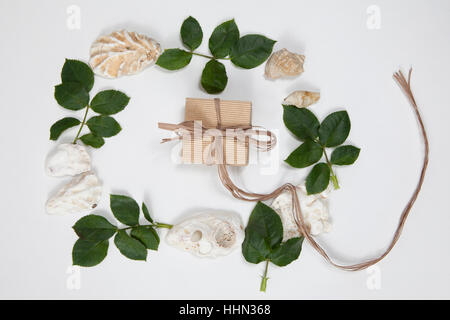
302,99
68,160
284,63
314,209
123,53
81,194
208,234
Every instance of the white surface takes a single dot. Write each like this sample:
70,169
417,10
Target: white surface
350,64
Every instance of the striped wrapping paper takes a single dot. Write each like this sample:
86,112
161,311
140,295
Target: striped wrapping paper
232,113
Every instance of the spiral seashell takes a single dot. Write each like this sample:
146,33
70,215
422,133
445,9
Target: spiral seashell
301,99
123,53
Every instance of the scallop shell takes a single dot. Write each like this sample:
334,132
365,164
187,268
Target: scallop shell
314,209
208,234
302,99
80,195
123,53
68,160
284,63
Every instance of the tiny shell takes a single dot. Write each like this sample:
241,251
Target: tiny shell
314,209
80,195
208,234
284,63
302,99
68,160
123,53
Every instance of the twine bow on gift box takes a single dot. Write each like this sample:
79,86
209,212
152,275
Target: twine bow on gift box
255,136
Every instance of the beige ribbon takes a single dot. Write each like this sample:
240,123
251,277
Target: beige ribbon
214,151
241,194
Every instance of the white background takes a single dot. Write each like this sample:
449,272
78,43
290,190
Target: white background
349,63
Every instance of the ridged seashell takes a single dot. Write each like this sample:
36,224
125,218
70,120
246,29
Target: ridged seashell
68,160
302,99
314,209
208,234
284,63
123,53
80,195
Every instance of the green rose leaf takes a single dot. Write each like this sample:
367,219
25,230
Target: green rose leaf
95,228
130,247
146,213
78,71
125,209
334,129
266,222
88,253
307,154
103,126
147,235
301,122
214,77
251,50
71,95
92,140
109,102
344,155
318,179
264,232
223,38
287,252
174,59
61,125
191,33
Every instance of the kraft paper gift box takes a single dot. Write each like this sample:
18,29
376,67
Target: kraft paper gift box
232,113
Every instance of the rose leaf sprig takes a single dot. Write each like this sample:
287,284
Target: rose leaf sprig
94,232
73,94
263,241
225,43
316,137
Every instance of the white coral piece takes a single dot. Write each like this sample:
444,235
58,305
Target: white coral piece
80,195
68,160
123,53
314,209
301,99
284,63
208,234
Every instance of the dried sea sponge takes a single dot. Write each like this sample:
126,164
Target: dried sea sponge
284,63
123,53
68,160
80,195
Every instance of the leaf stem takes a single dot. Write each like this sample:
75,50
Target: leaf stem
334,178
263,286
82,124
155,224
202,55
